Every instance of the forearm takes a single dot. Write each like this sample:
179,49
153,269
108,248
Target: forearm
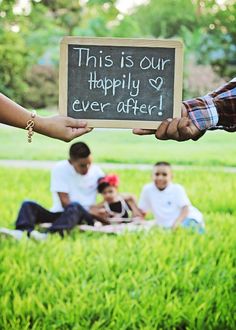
58,127
183,214
136,212
131,201
202,112
13,114
64,198
216,110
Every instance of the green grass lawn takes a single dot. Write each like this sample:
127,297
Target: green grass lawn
121,146
157,280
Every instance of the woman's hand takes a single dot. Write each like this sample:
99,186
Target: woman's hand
61,127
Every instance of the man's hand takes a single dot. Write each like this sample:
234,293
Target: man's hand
179,129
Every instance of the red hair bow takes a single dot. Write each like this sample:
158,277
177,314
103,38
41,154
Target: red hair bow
111,179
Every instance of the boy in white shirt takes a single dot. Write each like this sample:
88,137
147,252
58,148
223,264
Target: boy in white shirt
168,201
74,190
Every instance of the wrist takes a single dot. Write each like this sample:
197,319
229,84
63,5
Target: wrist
177,222
40,125
202,111
30,126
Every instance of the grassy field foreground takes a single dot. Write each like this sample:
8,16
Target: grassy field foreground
156,280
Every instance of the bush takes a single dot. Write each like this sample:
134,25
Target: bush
200,79
42,88
13,64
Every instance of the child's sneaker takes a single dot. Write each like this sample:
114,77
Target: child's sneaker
15,233
38,236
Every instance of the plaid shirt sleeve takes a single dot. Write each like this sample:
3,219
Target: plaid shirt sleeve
216,110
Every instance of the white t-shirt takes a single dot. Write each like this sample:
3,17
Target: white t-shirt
81,188
166,204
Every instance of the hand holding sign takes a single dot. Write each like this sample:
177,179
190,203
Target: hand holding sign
179,129
58,127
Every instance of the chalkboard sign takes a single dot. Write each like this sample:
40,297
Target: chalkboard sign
120,82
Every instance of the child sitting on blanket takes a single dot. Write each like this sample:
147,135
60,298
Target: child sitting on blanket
117,206
168,201
120,208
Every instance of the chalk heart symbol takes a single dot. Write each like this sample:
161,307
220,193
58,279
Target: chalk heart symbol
156,83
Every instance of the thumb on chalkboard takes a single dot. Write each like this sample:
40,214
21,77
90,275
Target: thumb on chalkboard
141,131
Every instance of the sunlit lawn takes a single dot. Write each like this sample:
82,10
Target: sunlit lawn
157,280
121,146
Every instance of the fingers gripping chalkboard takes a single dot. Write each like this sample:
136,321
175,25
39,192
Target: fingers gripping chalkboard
120,82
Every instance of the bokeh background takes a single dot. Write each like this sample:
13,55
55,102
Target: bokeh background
30,32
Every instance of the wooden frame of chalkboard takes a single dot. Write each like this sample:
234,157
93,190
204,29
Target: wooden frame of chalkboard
120,83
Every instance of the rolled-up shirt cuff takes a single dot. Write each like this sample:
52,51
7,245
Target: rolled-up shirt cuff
202,112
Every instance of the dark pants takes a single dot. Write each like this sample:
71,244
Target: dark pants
32,213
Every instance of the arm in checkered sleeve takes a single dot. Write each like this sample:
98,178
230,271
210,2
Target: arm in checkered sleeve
216,110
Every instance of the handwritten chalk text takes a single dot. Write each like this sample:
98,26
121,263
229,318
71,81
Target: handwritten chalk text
129,106
112,84
94,61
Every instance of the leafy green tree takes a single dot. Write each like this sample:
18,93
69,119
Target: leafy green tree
208,28
165,18
32,36
14,56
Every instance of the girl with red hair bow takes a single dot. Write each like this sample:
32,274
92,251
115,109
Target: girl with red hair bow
122,210
119,207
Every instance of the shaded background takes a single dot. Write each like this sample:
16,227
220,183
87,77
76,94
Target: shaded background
30,32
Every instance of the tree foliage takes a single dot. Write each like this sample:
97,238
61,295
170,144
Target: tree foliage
207,28
31,35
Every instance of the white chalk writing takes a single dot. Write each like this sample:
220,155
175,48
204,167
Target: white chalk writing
122,82
107,84
100,61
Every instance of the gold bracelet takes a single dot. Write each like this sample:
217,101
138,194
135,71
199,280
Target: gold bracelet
30,126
